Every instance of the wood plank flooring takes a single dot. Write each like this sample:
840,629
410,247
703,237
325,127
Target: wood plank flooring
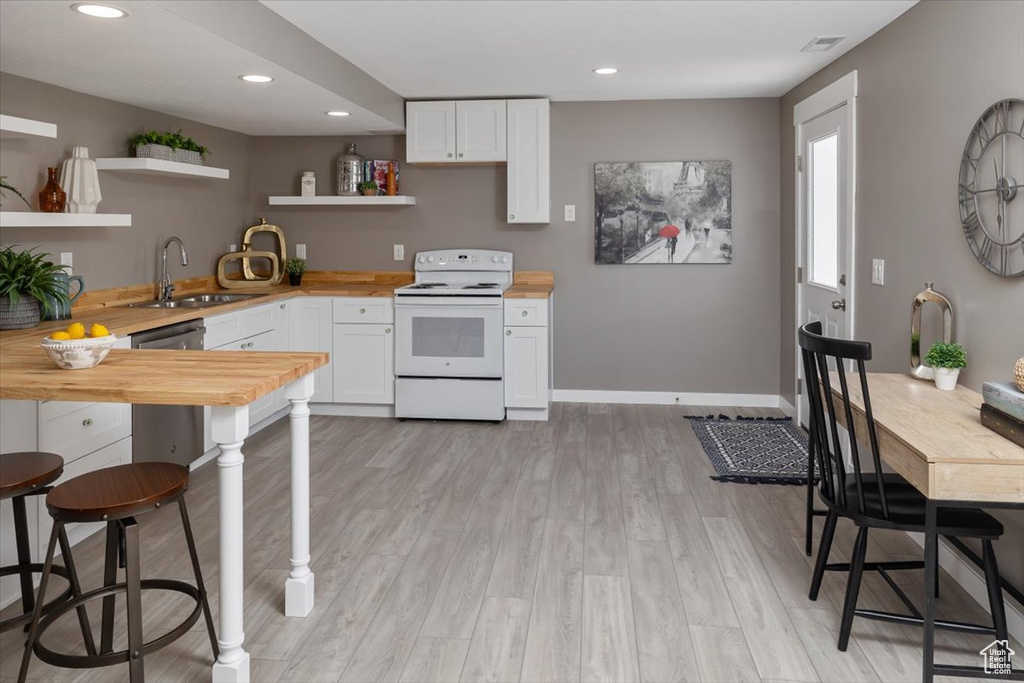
593,547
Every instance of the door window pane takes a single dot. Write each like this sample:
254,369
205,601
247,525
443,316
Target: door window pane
824,214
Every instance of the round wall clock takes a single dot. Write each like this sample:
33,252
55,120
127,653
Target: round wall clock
991,177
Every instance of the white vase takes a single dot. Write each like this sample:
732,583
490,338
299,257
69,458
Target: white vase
945,378
81,182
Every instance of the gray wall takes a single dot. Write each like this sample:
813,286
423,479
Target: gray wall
207,214
640,328
924,80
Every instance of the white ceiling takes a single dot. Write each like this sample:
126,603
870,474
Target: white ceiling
184,58
663,50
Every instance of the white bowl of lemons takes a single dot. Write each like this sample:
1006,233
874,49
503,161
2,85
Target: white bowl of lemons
76,348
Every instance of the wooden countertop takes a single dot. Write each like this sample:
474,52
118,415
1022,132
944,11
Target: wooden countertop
528,291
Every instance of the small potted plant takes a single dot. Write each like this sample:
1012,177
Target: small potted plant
27,283
368,188
4,185
295,267
168,147
946,361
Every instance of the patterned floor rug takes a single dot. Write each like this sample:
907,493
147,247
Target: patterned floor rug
753,450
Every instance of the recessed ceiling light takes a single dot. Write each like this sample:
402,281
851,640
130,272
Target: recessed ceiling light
337,113
256,78
606,71
99,11
822,44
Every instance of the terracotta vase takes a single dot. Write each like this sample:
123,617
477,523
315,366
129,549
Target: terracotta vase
52,199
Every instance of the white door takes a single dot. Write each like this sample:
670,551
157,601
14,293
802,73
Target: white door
825,280
529,161
526,367
480,130
364,364
311,330
430,132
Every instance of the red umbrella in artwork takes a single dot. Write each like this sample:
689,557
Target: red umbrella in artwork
669,231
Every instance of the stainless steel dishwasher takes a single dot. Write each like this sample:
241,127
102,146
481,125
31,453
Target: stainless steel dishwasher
168,433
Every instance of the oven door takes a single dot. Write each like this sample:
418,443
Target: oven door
449,337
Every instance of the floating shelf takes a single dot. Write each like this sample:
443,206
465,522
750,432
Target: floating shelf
17,127
38,219
380,200
161,167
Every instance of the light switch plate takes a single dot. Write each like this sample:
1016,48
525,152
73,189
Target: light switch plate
67,259
570,213
232,248
877,271
399,252
300,251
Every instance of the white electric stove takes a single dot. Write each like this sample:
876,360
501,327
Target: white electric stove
449,349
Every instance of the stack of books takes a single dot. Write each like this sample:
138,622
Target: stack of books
1002,410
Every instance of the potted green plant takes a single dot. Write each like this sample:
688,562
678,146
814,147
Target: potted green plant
946,361
27,283
4,185
295,267
168,146
368,188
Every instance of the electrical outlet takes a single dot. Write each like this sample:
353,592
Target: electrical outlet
877,271
66,259
399,252
300,251
570,213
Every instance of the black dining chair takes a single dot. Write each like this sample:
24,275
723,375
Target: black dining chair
870,501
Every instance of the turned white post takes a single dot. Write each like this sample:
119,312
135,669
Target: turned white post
229,427
298,587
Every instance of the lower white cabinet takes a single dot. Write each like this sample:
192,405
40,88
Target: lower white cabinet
310,330
526,367
363,359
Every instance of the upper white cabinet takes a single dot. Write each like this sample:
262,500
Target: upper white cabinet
529,161
470,131
430,132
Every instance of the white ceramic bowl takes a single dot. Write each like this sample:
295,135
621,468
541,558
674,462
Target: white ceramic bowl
78,354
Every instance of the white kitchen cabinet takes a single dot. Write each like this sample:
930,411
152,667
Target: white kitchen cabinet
529,161
282,322
480,131
526,367
265,405
310,330
363,359
430,132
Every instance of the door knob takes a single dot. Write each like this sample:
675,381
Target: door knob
839,305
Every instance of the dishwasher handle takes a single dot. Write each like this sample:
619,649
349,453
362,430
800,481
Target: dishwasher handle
181,337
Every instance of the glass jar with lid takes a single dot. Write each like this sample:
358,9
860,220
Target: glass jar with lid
350,171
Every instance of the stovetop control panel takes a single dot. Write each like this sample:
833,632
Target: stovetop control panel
463,260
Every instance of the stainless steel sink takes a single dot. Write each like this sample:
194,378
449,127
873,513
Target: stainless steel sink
196,301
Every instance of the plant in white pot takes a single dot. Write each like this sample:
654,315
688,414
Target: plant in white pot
27,283
946,361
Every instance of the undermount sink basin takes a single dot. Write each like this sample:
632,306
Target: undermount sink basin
196,301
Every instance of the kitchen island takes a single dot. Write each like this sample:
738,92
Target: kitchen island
228,382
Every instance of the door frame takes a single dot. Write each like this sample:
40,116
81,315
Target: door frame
842,92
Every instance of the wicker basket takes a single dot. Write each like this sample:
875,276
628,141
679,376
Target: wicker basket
1018,374
150,151
20,316
187,156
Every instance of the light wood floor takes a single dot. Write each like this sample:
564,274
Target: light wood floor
593,547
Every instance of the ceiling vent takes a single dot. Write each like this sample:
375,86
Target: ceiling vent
822,44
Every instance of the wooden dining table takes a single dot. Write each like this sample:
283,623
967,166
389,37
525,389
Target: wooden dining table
936,441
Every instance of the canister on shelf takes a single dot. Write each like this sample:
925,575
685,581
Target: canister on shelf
307,186
350,172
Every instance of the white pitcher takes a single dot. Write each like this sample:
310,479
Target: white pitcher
81,182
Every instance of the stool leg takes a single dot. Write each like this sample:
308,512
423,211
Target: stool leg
132,572
109,579
995,591
33,631
24,554
76,591
199,575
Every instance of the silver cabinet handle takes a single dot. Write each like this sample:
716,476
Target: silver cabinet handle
362,310
284,306
449,155
387,330
508,333
87,422
839,305
511,216
460,155
525,313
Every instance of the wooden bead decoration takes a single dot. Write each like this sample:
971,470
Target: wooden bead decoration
1018,374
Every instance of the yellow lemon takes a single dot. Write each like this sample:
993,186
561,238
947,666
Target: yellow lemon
60,336
98,330
76,331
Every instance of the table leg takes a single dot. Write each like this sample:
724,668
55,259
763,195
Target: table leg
931,565
298,587
229,427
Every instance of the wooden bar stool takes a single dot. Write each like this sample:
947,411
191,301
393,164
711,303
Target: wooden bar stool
116,495
30,474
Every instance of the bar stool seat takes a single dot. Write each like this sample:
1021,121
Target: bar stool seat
117,492
21,473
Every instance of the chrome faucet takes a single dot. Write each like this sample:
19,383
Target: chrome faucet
166,287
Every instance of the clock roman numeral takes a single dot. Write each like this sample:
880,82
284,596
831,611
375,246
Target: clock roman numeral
971,225
985,250
1006,111
983,135
973,162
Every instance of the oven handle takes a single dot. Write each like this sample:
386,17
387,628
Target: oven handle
461,306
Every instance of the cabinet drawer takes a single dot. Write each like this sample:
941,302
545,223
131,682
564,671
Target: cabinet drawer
364,310
532,312
73,429
259,319
223,329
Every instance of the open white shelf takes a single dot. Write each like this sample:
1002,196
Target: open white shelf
161,167
379,200
17,127
38,219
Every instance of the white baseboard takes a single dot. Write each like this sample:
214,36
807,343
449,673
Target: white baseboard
535,414
970,578
788,408
352,409
665,398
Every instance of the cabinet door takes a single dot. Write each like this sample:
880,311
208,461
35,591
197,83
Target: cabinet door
311,331
480,130
429,132
526,367
364,364
264,406
282,322
529,161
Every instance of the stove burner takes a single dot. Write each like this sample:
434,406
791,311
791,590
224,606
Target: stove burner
483,285
427,285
